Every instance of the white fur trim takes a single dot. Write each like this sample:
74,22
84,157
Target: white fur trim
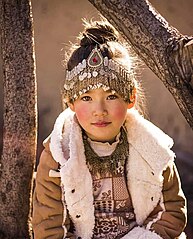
149,156
154,220
54,174
158,215
75,176
149,141
64,215
182,236
64,120
141,233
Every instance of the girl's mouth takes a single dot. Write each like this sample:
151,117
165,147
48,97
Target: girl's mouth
101,124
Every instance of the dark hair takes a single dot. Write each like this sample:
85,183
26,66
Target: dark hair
99,33
106,37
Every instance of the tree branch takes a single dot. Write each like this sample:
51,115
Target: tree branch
20,118
165,51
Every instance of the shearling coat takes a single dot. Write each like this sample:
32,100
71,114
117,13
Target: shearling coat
152,179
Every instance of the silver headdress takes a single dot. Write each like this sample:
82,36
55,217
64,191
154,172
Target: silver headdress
98,72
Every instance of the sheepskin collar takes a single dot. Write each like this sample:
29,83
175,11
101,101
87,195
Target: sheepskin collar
149,155
149,141
139,132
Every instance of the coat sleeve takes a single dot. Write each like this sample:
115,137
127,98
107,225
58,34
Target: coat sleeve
47,217
168,219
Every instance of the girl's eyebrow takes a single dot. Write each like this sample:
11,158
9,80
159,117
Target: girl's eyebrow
106,91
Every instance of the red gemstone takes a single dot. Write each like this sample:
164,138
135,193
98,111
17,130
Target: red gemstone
95,59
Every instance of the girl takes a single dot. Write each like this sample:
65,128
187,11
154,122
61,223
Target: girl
106,172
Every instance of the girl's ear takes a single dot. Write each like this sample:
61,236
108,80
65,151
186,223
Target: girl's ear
71,105
130,105
132,99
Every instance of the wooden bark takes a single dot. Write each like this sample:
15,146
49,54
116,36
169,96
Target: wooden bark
19,132
164,50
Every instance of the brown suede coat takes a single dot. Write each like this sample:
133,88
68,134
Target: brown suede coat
48,207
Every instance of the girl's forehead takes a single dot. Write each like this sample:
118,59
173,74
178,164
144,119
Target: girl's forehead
100,91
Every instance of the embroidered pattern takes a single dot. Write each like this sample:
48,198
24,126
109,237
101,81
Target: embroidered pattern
120,204
106,226
106,195
111,226
114,215
96,185
120,189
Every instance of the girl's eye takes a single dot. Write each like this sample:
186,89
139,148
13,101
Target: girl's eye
86,98
112,97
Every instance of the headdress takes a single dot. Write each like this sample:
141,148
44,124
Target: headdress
98,72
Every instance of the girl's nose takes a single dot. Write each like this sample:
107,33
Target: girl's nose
100,109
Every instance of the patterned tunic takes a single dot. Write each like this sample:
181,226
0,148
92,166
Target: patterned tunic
114,215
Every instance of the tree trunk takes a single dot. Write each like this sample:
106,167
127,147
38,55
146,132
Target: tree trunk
164,50
20,120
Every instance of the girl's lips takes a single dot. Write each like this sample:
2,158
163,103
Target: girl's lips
101,124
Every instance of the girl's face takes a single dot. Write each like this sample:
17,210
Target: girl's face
101,114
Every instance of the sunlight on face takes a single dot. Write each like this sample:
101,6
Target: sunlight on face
101,114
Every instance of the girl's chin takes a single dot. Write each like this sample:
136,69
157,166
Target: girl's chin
102,135
102,138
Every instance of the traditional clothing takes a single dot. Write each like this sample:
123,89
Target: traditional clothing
156,205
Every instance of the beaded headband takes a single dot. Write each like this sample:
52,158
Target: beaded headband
98,72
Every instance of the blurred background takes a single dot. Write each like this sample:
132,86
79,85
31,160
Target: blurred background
56,23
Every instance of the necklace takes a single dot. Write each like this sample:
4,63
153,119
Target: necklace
113,163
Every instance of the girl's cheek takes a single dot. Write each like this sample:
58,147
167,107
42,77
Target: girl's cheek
120,112
82,113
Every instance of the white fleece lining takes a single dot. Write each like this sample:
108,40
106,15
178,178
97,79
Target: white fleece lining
149,156
158,215
148,146
63,120
75,177
141,233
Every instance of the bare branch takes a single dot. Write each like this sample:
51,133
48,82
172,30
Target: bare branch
20,120
164,50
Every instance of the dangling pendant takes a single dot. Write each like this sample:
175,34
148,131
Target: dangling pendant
95,58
